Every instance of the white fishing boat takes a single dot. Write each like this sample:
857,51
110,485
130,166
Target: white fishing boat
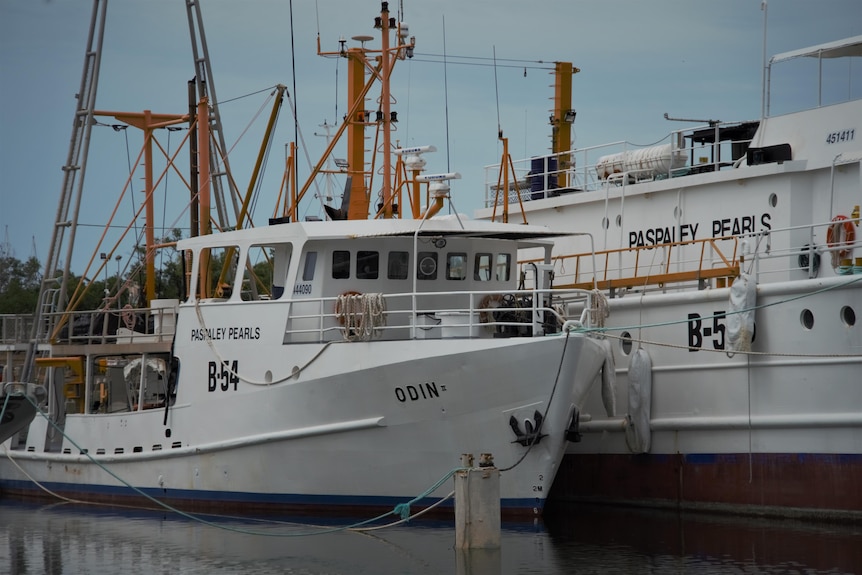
337,364
731,259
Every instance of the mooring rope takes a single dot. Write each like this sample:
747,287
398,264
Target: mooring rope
402,509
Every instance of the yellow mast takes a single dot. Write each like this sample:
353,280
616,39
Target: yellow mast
563,118
359,197
380,69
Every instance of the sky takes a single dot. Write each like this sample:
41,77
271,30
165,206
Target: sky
638,60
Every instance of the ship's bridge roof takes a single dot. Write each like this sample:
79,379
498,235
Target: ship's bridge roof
838,49
447,225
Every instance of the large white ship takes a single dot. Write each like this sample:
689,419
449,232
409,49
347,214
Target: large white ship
731,259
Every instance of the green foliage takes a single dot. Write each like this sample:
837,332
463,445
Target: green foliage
169,269
19,284
20,281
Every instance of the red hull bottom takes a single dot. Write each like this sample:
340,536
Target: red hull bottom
799,484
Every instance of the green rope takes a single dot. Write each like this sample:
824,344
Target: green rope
403,509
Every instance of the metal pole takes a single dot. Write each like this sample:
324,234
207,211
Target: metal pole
118,257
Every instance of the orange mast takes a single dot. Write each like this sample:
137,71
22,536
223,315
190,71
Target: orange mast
358,118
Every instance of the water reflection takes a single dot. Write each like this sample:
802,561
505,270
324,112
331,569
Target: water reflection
65,539
633,540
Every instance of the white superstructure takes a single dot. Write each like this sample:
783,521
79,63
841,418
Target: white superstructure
767,416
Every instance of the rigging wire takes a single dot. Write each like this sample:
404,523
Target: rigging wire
483,64
300,143
259,183
234,99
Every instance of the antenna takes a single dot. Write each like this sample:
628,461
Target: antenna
764,8
710,122
497,94
446,91
293,73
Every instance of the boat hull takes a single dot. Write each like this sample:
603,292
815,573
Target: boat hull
776,432
770,484
364,438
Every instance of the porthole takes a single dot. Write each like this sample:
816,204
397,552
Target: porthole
427,266
848,316
773,200
677,213
807,319
605,223
619,220
626,343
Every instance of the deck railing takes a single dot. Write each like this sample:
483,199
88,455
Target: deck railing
694,150
780,254
128,325
436,315
643,266
15,328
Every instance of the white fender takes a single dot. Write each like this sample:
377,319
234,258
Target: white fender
640,398
740,320
609,379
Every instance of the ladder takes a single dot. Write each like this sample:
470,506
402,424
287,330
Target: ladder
70,198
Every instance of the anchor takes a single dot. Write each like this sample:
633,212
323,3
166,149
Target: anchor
573,432
531,435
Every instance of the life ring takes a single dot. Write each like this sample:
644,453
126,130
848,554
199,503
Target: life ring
342,309
487,306
128,315
841,233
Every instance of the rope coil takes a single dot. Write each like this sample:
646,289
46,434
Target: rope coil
361,315
600,309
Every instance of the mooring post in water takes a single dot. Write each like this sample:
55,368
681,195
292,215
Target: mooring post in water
477,504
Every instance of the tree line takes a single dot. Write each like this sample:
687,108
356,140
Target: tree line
21,280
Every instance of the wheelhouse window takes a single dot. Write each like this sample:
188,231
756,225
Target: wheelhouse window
265,271
456,266
426,268
340,264
398,266
308,268
217,271
503,267
482,267
367,265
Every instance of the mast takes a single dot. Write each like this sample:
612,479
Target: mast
385,104
378,64
562,119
